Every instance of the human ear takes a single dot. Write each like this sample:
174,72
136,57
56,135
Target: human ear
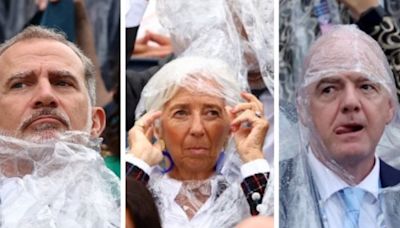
390,112
98,121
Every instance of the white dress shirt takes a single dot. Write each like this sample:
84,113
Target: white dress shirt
328,185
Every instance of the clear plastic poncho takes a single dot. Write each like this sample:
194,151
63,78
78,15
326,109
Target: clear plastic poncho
343,51
57,184
299,28
238,32
217,43
226,205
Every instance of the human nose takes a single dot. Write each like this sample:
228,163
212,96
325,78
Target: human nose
351,101
44,95
197,127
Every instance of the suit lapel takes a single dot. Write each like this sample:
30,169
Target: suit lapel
389,176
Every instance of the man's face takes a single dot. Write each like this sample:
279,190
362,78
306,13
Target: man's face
349,113
42,90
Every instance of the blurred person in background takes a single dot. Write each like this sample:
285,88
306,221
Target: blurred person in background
141,210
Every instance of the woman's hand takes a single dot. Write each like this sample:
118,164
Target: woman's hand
249,127
140,137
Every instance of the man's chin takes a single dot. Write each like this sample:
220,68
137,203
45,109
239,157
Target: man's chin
43,136
352,154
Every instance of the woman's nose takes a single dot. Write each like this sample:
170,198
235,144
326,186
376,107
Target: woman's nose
197,126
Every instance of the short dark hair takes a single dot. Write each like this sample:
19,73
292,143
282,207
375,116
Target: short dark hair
140,204
37,32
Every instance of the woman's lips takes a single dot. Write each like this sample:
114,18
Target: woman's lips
198,150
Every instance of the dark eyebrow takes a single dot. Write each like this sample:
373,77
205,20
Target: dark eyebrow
63,74
22,74
364,79
328,80
31,74
19,75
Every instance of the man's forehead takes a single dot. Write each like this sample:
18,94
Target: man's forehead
346,49
19,56
336,74
39,46
346,76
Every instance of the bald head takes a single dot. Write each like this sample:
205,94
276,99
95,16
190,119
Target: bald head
346,49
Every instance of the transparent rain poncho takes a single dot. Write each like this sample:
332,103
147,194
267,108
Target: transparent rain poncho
343,51
57,184
298,29
238,32
217,43
227,204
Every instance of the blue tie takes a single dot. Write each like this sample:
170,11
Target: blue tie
352,198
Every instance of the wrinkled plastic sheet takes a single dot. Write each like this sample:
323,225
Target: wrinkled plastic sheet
298,28
206,38
240,33
56,184
328,57
196,74
298,204
228,205
344,50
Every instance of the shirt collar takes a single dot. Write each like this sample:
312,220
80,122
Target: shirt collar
328,183
174,186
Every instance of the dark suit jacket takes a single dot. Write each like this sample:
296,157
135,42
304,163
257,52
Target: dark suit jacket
297,188
389,176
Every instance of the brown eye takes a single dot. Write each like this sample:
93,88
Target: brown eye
63,83
367,87
213,113
18,85
180,113
328,90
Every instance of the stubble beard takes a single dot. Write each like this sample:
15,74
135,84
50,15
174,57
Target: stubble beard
47,132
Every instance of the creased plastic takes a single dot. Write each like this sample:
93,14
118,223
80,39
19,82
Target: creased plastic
63,183
344,51
298,28
217,43
240,33
212,77
226,208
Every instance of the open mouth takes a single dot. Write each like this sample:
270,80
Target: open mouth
349,128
